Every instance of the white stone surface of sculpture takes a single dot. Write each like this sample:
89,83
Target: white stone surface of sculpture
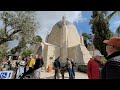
65,41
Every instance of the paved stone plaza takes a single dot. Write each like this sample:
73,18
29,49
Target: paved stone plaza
46,75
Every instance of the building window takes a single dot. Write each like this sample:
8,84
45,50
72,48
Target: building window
39,50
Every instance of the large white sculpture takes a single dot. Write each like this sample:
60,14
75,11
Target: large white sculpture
64,41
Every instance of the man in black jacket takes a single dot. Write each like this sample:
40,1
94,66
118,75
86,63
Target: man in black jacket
111,70
57,67
37,67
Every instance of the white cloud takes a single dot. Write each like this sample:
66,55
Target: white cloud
47,19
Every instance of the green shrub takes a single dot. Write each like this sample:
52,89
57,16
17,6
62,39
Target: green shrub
27,52
82,68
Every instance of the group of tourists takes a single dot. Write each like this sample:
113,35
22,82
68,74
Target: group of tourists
25,66
96,69
62,68
32,66
6,65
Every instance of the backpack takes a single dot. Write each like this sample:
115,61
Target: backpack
56,64
73,64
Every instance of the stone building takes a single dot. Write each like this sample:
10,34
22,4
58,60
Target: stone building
64,41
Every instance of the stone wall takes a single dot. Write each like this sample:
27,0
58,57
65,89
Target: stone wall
72,36
85,53
54,36
50,51
80,54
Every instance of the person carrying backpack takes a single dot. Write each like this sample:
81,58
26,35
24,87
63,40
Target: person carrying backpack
57,67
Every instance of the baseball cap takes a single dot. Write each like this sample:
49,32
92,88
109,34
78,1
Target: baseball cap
97,53
114,41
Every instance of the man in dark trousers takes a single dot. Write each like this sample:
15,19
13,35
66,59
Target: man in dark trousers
57,67
63,69
69,68
73,67
111,70
37,67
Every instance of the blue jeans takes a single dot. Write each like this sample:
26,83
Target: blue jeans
73,70
20,71
70,73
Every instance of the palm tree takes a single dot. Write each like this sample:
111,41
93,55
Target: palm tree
100,27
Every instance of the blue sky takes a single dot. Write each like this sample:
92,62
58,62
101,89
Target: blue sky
115,22
85,27
47,19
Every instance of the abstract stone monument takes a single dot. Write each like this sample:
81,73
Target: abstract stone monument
64,41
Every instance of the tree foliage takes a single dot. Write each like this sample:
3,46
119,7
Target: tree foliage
100,27
17,24
86,37
20,25
3,51
26,52
36,39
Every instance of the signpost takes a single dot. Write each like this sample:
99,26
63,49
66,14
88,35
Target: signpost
6,74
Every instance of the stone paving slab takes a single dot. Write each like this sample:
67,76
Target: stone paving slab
79,75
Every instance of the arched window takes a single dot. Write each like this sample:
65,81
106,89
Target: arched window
39,50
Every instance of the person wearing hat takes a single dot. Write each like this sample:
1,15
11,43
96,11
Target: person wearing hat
95,66
111,70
